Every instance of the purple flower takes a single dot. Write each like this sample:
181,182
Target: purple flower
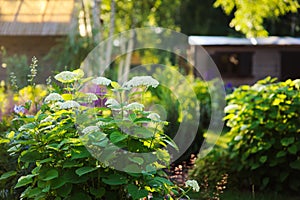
19,109
98,90
229,88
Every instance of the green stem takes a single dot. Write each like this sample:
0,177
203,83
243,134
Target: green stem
153,136
185,194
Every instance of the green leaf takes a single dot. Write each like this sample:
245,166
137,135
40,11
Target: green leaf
132,168
46,160
80,152
265,181
24,180
254,166
115,179
47,188
7,175
80,196
4,141
137,160
163,155
49,174
36,170
117,137
85,170
293,149
115,85
58,182
65,190
10,135
283,175
25,127
135,192
295,164
280,154
142,132
287,141
263,159
30,156
31,193
71,163
98,193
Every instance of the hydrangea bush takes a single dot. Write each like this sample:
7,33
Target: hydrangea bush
57,147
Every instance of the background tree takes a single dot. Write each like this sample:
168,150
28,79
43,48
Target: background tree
201,18
249,15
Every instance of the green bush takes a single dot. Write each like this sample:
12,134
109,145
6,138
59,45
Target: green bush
56,147
265,134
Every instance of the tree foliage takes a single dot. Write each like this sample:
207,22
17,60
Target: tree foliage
249,15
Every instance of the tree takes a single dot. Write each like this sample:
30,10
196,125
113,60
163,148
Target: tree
249,15
201,18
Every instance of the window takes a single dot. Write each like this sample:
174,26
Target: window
234,64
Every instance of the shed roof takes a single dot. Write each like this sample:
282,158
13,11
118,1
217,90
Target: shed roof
231,41
36,17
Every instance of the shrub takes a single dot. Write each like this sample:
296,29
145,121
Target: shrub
56,148
265,134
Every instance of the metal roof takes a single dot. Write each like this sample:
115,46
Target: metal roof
36,17
228,41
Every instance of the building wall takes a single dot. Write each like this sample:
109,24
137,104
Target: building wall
266,61
38,46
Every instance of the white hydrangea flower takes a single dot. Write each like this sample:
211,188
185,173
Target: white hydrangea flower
238,137
258,87
90,129
101,81
56,105
111,102
69,104
154,117
134,106
142,81
230,107
194,184
66,77
101,123
243,127
90,97
47,119
53,97
297,83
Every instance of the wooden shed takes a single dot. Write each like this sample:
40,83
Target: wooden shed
244,61
33,27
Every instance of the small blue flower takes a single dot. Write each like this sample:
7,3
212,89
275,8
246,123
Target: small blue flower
19,109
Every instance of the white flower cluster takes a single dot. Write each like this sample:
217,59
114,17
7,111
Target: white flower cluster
258,87
142,81
112,103
69,104
53,97
154,117
101,81
90,129
134,106
90,97
66,77
194,184
101,123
